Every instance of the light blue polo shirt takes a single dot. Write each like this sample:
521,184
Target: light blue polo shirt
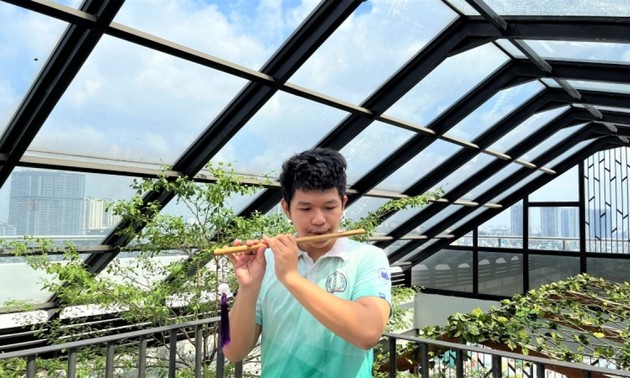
294,343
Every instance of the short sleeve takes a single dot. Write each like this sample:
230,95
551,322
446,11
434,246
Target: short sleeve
372,276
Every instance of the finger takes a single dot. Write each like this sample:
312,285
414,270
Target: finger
232,258
260,257
252,242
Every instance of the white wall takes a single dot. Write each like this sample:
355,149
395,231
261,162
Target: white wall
433,309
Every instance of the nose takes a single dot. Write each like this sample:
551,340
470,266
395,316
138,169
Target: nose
318,218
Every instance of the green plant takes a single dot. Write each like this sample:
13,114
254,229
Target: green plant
579,319
399,321
168,272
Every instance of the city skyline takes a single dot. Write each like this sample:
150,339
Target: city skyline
54,203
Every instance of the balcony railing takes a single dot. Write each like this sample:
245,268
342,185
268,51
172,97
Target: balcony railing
459,360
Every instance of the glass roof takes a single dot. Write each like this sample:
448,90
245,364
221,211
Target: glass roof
416,94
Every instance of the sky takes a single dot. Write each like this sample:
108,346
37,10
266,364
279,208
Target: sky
141,107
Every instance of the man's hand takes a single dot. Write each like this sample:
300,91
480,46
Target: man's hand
249,267
285,251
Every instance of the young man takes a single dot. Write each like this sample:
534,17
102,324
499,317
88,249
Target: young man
321,307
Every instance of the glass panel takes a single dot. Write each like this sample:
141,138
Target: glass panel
615,270
606,108
439,217
463,7
446,84
66,204
395,246
243,32
607,207
601,86
544,270
562,188
552,7
447,269
493,110
70,3
526,129
416,251
554,228
500,273
517,220
126,269
350,64
396,220
285,125
236,201
379,139
603,52
360,208
599,230
22,55
463,220
468,170
570,151
19,283
498,231
145,107
548,143
22,318
509,48
418,166
464,241
492,181
532,176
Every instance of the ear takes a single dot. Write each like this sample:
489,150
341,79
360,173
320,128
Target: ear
285,208
344,200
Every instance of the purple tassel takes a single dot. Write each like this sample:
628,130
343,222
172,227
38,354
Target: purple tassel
224,333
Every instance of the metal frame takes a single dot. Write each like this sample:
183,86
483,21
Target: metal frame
95,19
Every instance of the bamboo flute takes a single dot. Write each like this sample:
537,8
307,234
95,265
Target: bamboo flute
303,239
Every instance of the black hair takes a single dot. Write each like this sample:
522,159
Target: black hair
314,169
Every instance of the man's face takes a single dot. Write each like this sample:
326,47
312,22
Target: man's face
316,212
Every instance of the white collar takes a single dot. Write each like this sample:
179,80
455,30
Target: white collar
339,249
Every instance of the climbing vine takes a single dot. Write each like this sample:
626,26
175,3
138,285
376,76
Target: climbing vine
580,319
167,273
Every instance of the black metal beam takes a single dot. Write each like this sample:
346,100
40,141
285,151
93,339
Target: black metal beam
498,188
447,119
289,58
487,172
499,129
579,70
385,96
60,69
567,119
564,28
570,162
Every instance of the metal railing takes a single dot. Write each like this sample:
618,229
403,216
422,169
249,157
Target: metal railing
457,355
142,336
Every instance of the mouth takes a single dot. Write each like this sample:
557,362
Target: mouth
317,233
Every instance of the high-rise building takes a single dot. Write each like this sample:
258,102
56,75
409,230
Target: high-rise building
569,222
516,218
97,218
47,203
599,223
6,229
549,222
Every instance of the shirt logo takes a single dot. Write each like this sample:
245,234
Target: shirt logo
384,274
336,282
